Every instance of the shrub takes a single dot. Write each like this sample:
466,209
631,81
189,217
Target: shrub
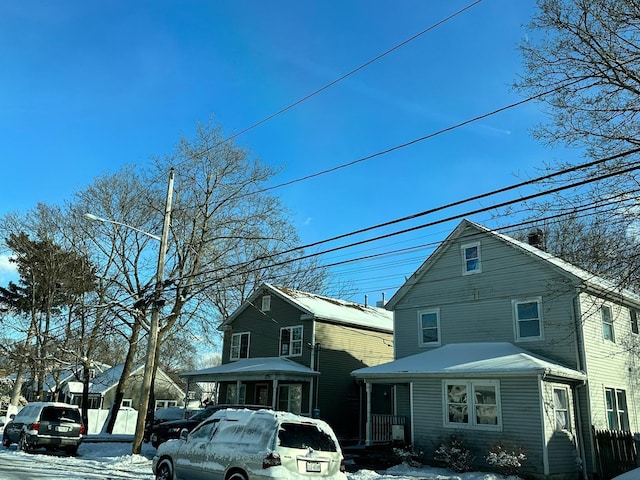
407,456
506,460
454,454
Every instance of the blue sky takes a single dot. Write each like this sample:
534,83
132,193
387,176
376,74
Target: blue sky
87,87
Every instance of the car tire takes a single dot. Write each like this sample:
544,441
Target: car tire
6,442
237,476
164,470
73,450
22,444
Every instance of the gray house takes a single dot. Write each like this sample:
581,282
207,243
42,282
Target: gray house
499,341
295,351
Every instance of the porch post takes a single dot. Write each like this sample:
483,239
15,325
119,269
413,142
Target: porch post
368,434
274,400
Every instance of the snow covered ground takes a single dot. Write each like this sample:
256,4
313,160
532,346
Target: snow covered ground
113,461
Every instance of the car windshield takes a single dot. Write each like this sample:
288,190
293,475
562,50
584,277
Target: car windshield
206,413
305,435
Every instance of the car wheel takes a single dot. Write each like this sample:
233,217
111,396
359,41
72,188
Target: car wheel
237,476
164,470
73,450
6,442
22,443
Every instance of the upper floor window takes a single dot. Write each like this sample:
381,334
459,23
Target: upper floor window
429,327
528,318
266,303
561,408
473,404
471,258
616,404
291,341
607,323
634,320
239,346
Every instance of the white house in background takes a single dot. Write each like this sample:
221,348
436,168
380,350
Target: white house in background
499,341
102,389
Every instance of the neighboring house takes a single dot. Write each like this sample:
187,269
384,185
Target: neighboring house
55,380
502,342
102,389
295,351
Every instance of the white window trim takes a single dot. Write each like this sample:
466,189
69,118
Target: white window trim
472,425
239,335
613,330
289,354
516,320
266,303
463,249
568,409
420,336
126,403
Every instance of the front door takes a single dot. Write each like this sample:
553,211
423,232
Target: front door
262,394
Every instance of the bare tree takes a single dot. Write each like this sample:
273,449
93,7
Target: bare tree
228,235
585,54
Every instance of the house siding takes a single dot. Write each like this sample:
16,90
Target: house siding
264,328
521,421
481,304
342,350
610,364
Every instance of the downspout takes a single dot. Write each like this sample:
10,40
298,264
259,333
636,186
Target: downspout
413,430
582,366
314,383
545,449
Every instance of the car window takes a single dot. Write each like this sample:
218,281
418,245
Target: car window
203,415
204,431
305,435
60,414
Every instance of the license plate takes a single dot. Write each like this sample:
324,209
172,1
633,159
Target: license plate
313,467
63,429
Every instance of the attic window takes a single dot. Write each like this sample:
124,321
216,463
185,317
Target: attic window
266,303
471,258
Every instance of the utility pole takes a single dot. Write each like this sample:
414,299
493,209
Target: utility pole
152,344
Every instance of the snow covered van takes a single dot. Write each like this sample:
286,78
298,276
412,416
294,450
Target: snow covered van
241,444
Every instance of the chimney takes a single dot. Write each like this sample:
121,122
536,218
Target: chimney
381,303
536,238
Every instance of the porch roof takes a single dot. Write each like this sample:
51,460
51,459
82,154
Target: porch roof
262,368
494,359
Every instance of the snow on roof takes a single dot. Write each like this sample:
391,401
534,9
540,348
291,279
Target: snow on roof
336,310
456,359
252,366
109,378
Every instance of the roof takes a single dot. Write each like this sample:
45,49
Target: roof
252,368
582,277
495,359
324,308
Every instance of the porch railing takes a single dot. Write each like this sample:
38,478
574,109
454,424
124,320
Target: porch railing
388,429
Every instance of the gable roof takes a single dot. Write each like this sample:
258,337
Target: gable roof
323,308
581,277
495,359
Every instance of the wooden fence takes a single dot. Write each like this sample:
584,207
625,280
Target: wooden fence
616,452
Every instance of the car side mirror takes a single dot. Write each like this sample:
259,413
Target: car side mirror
11,417
184,433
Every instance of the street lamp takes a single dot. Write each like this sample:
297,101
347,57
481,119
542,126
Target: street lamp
152,344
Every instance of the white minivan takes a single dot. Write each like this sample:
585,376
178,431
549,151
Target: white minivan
242,444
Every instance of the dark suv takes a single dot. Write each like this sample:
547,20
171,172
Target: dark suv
51,425
162,432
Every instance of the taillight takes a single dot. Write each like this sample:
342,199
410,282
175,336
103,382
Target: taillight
343,467
82,429
34,426
271,460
